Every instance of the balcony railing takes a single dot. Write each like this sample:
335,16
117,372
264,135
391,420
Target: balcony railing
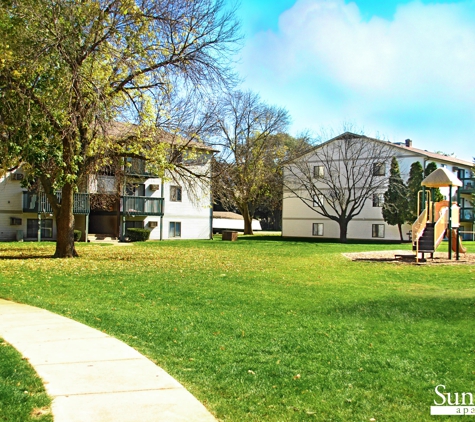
141,205
38,202
468,185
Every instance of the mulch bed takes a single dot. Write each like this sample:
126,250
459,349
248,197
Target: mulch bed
408,257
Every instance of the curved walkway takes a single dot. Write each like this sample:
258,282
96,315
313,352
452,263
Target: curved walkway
93,376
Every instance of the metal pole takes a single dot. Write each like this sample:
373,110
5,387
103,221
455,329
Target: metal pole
432,191
39,227
423,198
450,222
457,253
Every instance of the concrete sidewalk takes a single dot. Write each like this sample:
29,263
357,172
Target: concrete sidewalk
92,376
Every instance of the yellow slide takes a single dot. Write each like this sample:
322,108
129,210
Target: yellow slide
455,239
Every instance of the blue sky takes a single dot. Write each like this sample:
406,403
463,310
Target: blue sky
392,69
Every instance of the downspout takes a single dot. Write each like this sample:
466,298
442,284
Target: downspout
88,205
210,207
122,237
163,210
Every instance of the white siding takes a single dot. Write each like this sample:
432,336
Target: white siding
10,206
298,218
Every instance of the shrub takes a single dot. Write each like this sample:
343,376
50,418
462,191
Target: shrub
138,235
77,235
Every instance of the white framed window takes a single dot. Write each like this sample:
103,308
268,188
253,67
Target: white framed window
379,169
378,199
175,229
134,224
317,229
318,200
175,193
318,171
46,228
378,230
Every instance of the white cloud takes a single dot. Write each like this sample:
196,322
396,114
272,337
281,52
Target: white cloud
423,58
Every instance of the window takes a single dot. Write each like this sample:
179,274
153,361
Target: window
378,230
379,169
318,171
317,229
378,199
135,166
135,190
46,228
175,229
317,200
15,221
133,225
175,193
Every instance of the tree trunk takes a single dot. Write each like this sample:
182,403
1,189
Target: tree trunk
247,219
399,226
343,231
65,225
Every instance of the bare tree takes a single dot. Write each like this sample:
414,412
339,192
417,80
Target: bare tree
243,133
269,204
336,179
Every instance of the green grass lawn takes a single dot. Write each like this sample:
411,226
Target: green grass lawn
270,330
22,395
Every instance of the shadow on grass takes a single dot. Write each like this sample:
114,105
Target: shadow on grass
258,238
410,308
6,257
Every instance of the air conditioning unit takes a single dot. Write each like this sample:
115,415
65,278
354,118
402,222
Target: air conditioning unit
152,224
15,221
154,187
18,176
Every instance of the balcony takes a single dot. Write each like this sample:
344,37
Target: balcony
141,205
137,167
37,202
468,185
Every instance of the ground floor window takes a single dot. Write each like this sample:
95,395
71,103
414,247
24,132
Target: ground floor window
317,229
134,225
175,229
378,230
46,228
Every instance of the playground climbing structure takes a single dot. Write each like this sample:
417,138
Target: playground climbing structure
437,219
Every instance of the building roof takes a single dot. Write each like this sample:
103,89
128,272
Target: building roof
435,156
125,129
227,215
401,146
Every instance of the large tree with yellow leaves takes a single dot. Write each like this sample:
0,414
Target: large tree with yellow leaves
69,69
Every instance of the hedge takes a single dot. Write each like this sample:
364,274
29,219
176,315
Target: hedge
138,235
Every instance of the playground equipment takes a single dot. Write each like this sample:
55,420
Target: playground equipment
457,242
437,218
